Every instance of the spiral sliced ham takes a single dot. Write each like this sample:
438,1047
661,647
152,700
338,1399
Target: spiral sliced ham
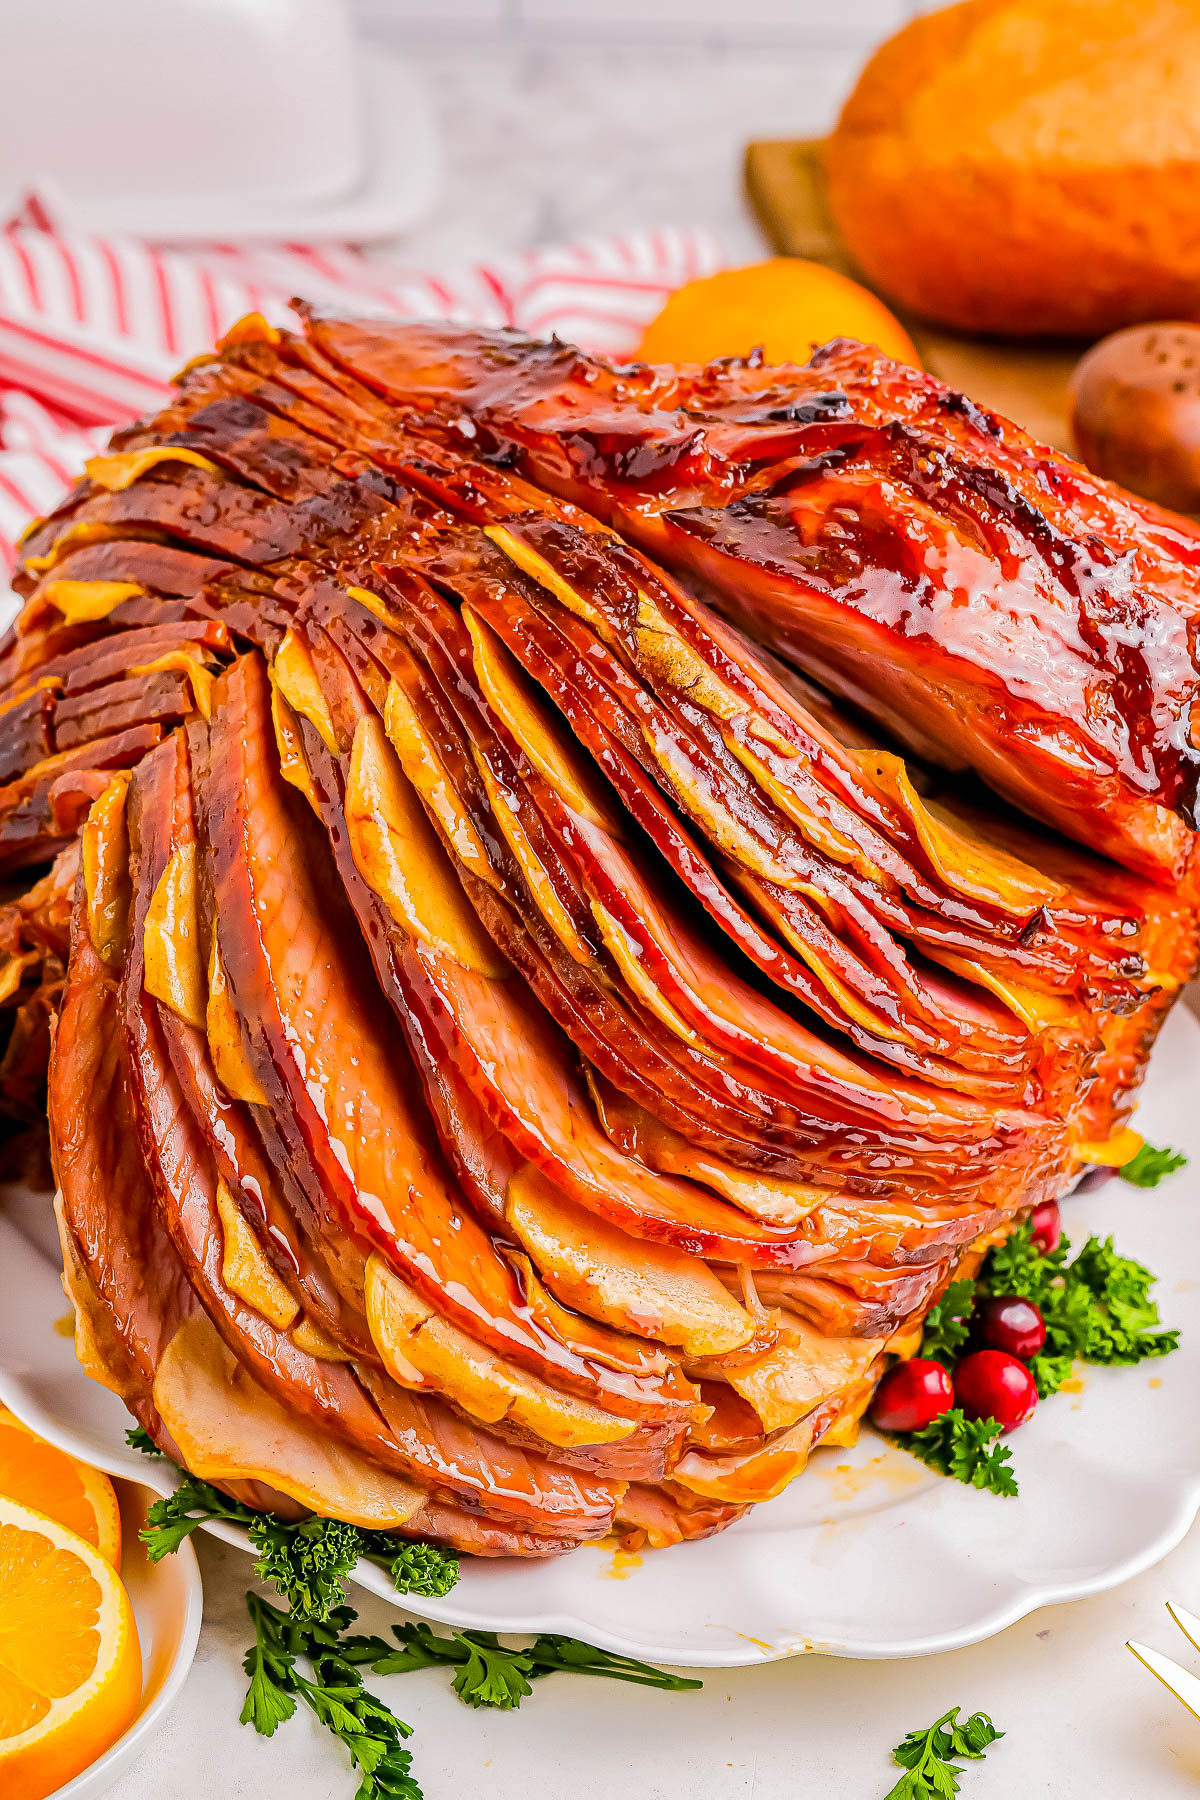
553,884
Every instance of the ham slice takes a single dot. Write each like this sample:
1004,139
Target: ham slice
538,999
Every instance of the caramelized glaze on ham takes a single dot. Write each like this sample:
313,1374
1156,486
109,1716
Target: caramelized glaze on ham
526,1055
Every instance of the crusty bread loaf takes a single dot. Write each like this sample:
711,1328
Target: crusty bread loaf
1029,167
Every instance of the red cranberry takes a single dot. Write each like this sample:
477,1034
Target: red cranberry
912,1394
1046,1223
1006,1322
990,1384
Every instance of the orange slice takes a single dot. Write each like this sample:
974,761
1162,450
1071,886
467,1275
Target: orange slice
51,1482
785,304
70,1664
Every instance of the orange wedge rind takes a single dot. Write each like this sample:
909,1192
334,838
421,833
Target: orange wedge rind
38,1475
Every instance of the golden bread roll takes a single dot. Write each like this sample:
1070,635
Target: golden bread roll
1029,167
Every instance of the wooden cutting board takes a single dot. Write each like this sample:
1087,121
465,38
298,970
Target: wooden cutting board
785,180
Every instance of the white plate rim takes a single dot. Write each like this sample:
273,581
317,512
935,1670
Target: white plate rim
100,1774
159,1477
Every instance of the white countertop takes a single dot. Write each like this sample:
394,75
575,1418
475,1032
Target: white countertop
1082,1718
541,145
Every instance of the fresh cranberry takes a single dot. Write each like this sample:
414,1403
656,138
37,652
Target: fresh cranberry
912,1394
1006,1322
990,1384
1046,1223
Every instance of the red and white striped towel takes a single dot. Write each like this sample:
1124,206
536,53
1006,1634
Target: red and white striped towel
91,329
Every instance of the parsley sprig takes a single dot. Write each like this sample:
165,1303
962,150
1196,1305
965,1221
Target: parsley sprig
928,1757
307,1562
486,1673
1150,1165
1097,1308
948,1322
334,1692
969,1450
139,1439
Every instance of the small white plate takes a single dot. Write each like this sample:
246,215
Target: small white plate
868,1554
402,171
167,1604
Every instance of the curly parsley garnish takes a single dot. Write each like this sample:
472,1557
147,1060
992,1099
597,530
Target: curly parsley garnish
307,1562
948,1322
1097,1308
139,1439
966,1449
309,1655
1017,1266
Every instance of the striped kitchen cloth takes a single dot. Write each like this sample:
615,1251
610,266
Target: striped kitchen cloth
91,328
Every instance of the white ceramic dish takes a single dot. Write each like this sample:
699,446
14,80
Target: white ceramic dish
868,1554
397,186
176,103
167,1603
266,119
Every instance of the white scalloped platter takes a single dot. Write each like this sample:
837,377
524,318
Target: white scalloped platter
868,1554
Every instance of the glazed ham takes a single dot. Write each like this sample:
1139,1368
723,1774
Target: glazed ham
528,1054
